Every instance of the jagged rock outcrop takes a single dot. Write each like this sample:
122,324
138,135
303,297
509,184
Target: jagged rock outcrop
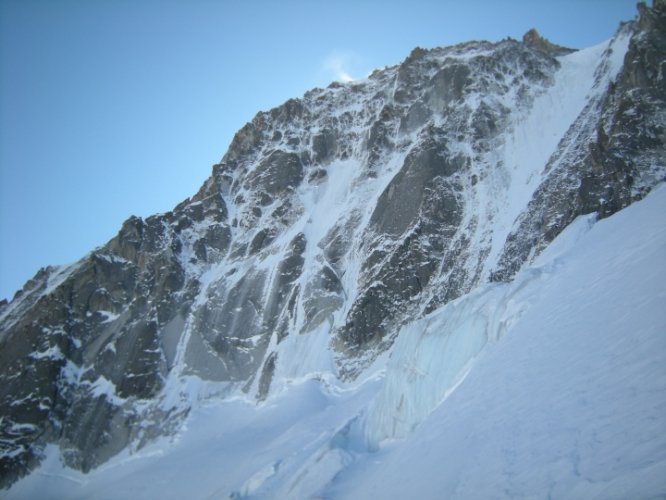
535,40
339,216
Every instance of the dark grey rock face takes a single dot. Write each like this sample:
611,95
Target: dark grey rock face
341,215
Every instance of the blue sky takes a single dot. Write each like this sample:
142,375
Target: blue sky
117,108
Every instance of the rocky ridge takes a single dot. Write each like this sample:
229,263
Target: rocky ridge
330,222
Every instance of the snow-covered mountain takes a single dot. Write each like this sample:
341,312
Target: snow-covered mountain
357,258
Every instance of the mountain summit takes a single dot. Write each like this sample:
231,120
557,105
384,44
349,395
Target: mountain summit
332,224
534,39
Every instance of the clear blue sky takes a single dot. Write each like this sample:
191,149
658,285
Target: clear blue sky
119,107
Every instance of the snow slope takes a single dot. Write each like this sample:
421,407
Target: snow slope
551,386
570,402
581,81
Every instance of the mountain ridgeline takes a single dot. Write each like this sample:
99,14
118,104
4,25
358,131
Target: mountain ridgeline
331,221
